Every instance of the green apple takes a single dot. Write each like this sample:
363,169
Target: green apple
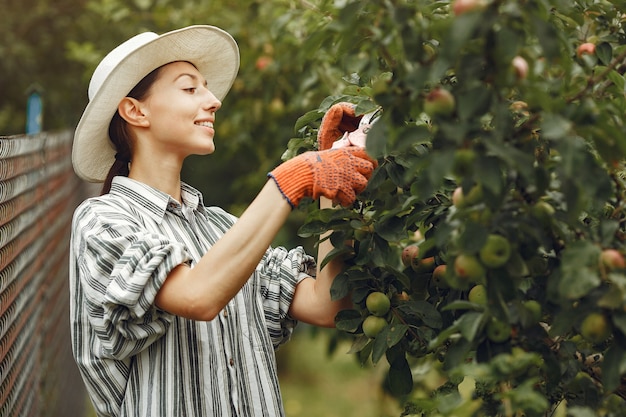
378,303
439,101
495,252
468,268
498,331
463,164
372,325
474,196
542,211
478,295
534,308
596,328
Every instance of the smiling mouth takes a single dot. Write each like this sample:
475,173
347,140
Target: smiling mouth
205,124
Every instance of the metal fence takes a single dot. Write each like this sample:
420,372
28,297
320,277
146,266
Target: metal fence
38,194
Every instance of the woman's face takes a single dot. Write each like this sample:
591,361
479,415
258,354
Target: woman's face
181,111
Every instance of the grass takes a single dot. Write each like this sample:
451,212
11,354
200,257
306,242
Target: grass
315,383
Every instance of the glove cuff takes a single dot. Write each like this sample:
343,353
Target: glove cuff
339,119
294,180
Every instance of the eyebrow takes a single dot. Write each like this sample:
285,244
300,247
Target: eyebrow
192,76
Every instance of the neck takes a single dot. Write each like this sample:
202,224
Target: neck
161,177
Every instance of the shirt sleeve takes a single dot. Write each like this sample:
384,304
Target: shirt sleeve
121,268
280,271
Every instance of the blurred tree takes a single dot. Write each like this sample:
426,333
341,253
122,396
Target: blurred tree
33,54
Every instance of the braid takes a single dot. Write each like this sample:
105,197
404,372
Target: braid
120,137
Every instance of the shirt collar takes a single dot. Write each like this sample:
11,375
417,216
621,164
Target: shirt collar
154,202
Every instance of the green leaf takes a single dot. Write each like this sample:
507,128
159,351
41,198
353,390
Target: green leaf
391,228
308,118
579,273
474,102
340,287
443,336
379,347
617,79
399,377
469,324
580,411
462,305
613,367
358,344
619,318
396,334
424,311
348,320
461,32
555,126
312,229
457,353
376,143
604,52
412,136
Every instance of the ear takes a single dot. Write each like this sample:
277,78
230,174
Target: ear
132,111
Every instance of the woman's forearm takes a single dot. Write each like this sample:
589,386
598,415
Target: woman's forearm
202,292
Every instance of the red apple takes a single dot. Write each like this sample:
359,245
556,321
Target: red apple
463,6
612,259
263,62
408,254
520,66
439,276
439,101
468,268
586,48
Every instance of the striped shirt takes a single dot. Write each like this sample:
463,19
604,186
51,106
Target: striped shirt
137,360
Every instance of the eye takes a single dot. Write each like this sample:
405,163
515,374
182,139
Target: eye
190,90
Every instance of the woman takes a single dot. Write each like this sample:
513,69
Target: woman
176,307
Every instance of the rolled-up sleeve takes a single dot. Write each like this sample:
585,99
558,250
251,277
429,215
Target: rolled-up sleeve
122,267
280,271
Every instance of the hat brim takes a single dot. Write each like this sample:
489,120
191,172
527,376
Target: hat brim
214,53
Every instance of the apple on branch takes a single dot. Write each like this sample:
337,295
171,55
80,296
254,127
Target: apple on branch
495,252
378,303
439,101
586,48
460,7
612,259
468,268
409,253
372,325
520,67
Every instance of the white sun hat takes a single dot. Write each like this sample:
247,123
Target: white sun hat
213,51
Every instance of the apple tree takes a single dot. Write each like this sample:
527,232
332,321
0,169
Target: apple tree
492,232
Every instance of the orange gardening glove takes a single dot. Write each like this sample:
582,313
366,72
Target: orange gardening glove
337,174
339,119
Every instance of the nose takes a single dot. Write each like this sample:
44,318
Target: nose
210,102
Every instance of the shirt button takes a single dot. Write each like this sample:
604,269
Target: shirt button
232,362
225,313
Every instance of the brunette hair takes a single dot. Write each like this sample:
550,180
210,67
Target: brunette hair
121,137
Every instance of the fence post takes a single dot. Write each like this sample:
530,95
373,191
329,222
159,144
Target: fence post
34,111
